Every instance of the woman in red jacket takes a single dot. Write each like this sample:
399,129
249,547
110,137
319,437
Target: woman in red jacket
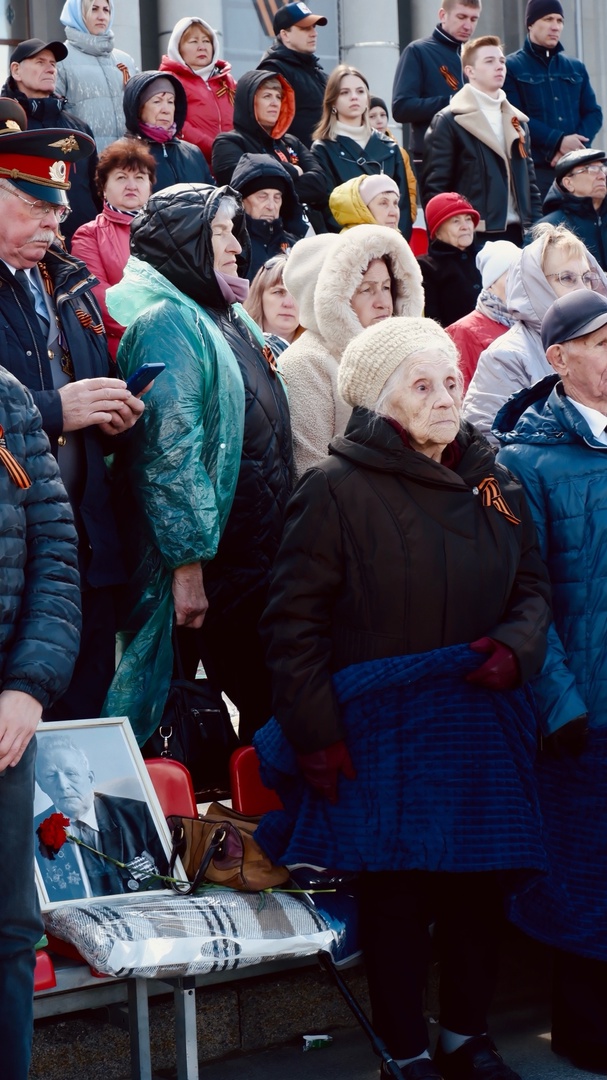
192,57
125,175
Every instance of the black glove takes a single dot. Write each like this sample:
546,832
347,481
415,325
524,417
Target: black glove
569,740
322,768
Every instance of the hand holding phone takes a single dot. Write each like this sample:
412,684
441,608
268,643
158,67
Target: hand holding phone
144,375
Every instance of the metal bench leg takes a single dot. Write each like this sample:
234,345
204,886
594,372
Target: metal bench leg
185,1029
139,1030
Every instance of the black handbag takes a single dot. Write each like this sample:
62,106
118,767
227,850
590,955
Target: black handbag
196,730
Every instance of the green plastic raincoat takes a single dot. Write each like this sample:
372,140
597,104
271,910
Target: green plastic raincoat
179,471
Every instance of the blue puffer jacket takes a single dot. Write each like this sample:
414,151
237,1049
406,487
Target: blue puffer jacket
550,448
39,587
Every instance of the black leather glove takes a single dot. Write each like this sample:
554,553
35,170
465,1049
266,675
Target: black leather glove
569,740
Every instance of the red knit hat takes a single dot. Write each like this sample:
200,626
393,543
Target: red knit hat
442,207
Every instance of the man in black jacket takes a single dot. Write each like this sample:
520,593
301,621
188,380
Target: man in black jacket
479,146
39,631
294,56
429,71
52,340
32,79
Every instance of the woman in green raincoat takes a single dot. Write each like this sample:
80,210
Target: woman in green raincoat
207,477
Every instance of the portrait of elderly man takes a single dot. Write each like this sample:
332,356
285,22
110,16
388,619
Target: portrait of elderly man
52,340
120,828
554,441
578,199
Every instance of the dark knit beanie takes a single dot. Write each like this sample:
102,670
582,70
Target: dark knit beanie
375,102
537,9
261,183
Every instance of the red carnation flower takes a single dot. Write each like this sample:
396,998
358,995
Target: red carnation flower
51,834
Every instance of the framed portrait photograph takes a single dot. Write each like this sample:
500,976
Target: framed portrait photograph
99,828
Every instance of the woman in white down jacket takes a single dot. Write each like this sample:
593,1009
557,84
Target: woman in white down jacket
93,75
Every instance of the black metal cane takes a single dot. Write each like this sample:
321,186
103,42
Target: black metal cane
326,961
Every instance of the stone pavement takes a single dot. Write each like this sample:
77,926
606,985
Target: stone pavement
252,1030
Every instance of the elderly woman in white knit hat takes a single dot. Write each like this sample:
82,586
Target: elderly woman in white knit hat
491,318
408,608
342,283
366,200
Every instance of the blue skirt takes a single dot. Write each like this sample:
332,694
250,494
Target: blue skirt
444,774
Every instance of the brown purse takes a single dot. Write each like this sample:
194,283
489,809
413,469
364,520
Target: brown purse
220,848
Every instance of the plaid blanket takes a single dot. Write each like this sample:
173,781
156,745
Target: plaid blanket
568,907
444,774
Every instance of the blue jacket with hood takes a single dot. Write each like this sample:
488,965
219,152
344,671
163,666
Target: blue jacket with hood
550,448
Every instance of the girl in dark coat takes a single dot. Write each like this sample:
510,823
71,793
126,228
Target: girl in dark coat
346,145
398,632
155,107
452,281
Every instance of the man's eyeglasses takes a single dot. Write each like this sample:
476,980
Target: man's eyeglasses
599,168
590,280
40,209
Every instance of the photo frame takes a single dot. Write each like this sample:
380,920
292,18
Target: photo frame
92,772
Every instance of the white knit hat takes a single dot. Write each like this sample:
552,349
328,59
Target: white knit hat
371,357
302,269
375,185
494,258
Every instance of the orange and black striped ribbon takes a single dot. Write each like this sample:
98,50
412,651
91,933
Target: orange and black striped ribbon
516,124
449,78
266,10
16,471
492,496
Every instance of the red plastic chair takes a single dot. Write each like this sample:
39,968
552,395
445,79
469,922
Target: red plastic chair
173,786
419,242
249,795
44,972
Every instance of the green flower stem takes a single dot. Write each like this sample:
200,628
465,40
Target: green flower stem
121,865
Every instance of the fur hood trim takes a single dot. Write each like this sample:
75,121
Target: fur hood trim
342,273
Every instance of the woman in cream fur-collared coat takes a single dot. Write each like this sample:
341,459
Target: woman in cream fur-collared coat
342,283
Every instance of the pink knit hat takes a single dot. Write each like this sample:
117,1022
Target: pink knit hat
448,204
376,185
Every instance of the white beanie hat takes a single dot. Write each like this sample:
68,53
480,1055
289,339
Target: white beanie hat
494,258
375,185
303,266
372,356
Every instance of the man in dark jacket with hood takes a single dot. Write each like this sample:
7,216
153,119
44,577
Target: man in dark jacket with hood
177,161
264,109
578,199
273,214
293,55
31,82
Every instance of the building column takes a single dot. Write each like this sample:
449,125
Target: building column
368,36
171,11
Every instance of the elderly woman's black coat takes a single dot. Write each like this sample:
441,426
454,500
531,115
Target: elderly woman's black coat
386,553
452,282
